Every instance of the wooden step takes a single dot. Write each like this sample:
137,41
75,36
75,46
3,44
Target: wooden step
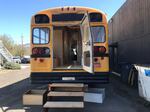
63,105
67,85
66,94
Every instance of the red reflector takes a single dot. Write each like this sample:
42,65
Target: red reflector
68,8
74,8
102,58
95,59
41,60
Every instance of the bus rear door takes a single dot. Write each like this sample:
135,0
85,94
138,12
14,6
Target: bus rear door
87,45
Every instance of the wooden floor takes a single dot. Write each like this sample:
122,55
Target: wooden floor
70,67
64,105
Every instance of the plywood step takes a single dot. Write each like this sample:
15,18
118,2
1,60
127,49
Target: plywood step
73,94
64,105
66,85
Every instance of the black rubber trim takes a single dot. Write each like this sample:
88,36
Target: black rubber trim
40,56
81,77
103,55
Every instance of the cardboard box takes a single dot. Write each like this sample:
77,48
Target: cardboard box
34,97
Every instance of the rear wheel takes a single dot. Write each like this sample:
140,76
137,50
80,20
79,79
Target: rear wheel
129,75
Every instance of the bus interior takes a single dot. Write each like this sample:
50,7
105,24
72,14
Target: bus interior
67,47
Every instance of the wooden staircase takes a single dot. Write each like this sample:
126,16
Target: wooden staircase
64,96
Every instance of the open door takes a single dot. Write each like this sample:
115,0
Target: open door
87,45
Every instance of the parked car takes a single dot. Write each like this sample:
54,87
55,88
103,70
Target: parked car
17,59
25,59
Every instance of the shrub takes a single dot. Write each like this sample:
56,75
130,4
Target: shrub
12,65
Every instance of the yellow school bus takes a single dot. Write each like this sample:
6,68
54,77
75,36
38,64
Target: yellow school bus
69,45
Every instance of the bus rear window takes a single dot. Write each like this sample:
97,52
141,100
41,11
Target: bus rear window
98,33
40,36
41,18
96,17
67,17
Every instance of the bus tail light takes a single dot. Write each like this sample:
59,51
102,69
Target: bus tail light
99,50
102,49
40,51
35,51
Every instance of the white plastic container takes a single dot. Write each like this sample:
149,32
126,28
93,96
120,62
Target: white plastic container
144,82
95,95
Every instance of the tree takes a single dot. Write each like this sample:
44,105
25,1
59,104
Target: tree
12,47
8,42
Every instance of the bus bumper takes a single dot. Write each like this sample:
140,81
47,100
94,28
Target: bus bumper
70,77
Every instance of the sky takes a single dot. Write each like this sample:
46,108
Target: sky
15,15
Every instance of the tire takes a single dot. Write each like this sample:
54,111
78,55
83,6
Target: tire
125,69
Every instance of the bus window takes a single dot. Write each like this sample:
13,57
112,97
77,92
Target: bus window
98,33
40,36
95,17
41,18
67,17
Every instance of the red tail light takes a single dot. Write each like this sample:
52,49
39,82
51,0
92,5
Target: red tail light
40,51
102,49
35,51
98,50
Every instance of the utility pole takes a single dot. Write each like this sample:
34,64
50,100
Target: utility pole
22,46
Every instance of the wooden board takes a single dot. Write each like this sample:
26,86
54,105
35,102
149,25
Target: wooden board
66,94
67,89
66,85
64,105
33,97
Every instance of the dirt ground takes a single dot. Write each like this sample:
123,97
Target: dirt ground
119,97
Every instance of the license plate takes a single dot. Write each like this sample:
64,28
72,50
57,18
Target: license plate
68,78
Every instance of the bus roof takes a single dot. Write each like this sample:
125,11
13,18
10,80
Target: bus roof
69,9
65,9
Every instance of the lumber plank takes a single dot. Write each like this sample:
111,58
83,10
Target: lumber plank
64,105
66,85
65,93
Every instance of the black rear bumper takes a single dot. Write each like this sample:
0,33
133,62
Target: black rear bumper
80,77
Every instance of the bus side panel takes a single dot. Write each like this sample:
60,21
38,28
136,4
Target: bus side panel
103,66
